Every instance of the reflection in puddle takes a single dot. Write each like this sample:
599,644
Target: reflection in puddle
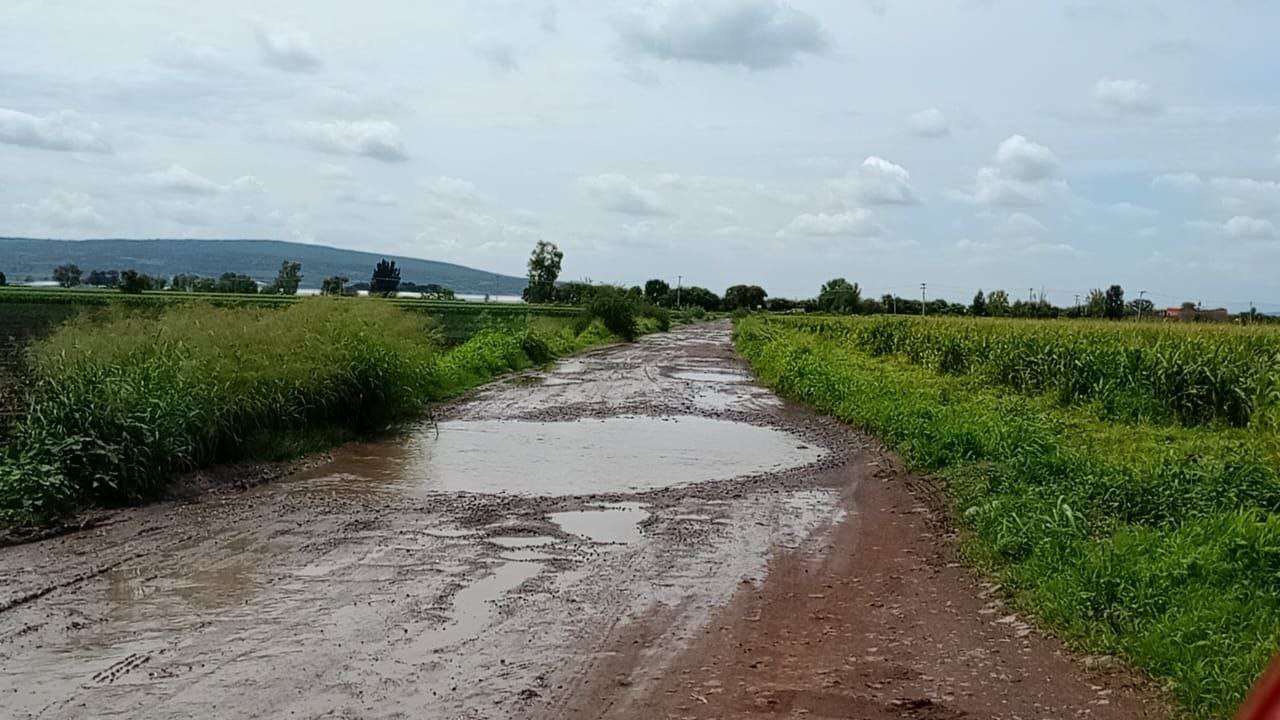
616,523
473,607
522,541
710,376
582,457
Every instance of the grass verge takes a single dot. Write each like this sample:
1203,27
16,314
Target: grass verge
123,402
1156,542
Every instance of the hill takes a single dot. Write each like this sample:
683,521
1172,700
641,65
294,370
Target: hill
259,259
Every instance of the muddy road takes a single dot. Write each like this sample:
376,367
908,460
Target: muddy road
638,532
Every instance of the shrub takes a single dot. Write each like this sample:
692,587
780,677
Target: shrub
618,313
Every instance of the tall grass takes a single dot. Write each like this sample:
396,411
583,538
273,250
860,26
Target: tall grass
122,402
1157,542
1189,374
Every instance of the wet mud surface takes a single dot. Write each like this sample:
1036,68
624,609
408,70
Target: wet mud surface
637,532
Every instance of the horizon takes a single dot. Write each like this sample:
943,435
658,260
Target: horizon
979,144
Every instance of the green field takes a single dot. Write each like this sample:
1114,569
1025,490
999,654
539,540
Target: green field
120,398
1121,481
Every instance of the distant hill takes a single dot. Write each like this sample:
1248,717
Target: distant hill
259,259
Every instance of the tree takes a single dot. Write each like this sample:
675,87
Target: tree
839,296
700,297
333,285
67,275
235,283
979,306
1114,307
1143,308
287,279
544,270
998,303
656,291
746,297
3,280
103,278
133,283
386,278
1096,304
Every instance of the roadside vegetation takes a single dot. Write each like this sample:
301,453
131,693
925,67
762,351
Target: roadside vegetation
121,399
1123,484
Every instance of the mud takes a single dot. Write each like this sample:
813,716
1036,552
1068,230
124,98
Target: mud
637,532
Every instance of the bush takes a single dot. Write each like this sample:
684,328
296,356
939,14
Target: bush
618,313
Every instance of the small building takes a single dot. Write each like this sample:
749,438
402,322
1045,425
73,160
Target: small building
1193,314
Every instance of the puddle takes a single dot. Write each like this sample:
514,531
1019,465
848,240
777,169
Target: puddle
527,555
693,518
523,541
582,457
449,534
613,524
473,607
710,376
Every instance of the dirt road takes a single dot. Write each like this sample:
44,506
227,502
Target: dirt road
640,532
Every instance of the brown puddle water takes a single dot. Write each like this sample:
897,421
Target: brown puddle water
580,457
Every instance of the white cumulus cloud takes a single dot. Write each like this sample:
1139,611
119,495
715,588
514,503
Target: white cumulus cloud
63,130
876,182
854,223
1024,173
1020,159
929,123
377,139
62,210
178,179
288,49
619,193
1126,97
756,34
1242,227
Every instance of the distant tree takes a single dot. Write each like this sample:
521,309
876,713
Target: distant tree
432,291
235,283
700,297
386,278
67,275
186,282
656,291
133,283
998,303
839,296
3,280
747,297
1141,307
1114,307
1095,305
103,278
288,277
544,270
333,285
979,306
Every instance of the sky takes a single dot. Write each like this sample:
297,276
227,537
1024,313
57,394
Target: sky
1036,147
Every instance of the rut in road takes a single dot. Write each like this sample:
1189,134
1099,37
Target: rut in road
640,531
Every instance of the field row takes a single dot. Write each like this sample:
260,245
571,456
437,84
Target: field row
1155,541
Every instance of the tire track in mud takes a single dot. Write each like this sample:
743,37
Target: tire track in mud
378,584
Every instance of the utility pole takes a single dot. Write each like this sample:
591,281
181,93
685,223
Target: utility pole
1141,294
679,279
923,302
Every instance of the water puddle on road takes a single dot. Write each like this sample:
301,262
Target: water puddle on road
581,457
710,376
612,524
474,606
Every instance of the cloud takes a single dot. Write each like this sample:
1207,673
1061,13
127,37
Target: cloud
354,197
336,171
499,54
854,223
1179,181
377,139
928,123
1020,159
454,189
619,193
1126,97
63,130
288,49
1020,225
877,182
1242,227
549,19
1024,174
64,210
1235,195
177,179
755,34
186,53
